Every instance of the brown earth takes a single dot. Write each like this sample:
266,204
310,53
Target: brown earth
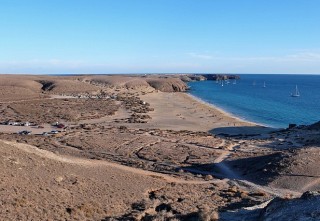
37,184
52,110
132,152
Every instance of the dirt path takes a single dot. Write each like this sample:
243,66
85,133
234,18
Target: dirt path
33,129
219,162
26,100
225,170
98,163
121,113
309,185
236,178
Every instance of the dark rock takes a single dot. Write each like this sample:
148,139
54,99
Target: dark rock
305,208
215,77
315,126
292,126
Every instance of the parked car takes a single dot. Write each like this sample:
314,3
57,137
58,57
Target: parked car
61,126
24,132
54,132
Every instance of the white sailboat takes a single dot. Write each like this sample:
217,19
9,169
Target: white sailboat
296,92
235,82
264,84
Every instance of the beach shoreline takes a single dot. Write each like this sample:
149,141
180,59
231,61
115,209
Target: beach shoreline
182,111
226,112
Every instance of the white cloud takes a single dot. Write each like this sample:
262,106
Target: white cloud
305,56
201,56
297,57
297,62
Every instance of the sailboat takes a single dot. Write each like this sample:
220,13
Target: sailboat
235,82
264,84
296,92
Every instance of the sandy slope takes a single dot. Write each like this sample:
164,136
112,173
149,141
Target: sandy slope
39,185
97,163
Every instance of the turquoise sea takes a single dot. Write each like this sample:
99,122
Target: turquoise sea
271,105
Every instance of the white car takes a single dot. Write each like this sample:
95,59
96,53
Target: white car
54,132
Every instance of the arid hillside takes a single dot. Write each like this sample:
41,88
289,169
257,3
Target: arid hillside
125,147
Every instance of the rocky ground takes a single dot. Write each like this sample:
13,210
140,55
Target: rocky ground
122,158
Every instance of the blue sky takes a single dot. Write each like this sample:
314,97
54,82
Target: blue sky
143,36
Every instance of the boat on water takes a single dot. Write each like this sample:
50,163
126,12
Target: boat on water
264,84
235,82
296,93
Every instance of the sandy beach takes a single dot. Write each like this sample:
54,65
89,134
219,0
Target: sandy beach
182,111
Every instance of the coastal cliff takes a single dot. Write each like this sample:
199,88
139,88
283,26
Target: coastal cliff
209,77
215,77
167,84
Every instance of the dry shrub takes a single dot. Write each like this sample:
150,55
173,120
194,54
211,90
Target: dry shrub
207,214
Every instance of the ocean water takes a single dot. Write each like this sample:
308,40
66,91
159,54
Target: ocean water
271,105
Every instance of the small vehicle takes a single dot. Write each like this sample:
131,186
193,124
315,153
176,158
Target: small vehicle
24,132
54,132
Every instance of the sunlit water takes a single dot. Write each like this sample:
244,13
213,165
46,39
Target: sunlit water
271,105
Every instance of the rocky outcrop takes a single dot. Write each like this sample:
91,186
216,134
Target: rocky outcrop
140,83
185,78
197,77
315,126
167,84
215,77
192,77
47,85
307,207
